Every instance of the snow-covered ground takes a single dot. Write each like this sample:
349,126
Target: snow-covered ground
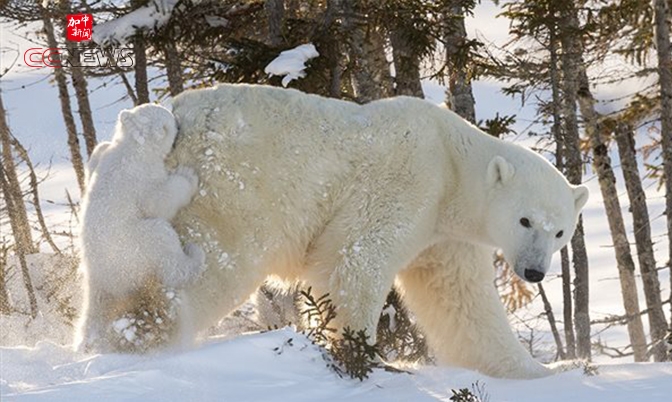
284,366
265,366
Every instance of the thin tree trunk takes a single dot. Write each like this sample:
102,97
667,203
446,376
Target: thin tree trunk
571,57
5,306
141,82
664,49
82,94
335,70
612,206
551,321
642,230
332,48
16,209
140,66
23,154
66,109
81,87
556,128
275,13
23,233
21,249
371,77
454,36
173,68
570,338
406,66
129,87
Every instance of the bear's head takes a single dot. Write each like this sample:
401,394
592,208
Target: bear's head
147,128
531,212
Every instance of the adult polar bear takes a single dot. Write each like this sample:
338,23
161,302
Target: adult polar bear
349,198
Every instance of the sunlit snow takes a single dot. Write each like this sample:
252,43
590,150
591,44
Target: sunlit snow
291,64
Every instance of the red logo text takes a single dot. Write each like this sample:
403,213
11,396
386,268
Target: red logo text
78,27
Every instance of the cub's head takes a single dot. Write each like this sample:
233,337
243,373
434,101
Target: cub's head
531,212
149,128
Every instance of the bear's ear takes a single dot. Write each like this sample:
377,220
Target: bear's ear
129,126
499,171
581,194
125,119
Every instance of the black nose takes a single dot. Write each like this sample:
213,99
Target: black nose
533,275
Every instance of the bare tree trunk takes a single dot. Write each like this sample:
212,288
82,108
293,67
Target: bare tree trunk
570,338
612,206
141,82
642,230
140,67
23,154
82,94
173,68
551,321
664,48
129,87
5,306
275,13
406,66
21,249
81,87
371,77
335,70
461,98
18,215
16,209
556,128
571,57
332,48
66,109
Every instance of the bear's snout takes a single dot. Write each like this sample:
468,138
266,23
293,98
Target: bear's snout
533,275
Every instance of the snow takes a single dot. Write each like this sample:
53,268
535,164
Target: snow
35,366
283,365
292,63
119,30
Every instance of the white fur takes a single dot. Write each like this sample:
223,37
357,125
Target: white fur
349,198
126,239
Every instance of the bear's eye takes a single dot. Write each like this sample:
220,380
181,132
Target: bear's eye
559,234
525,222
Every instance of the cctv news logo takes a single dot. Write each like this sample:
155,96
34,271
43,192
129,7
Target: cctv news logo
56,57
78,28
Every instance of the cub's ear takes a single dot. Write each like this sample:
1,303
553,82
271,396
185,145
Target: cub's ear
130,126
581,194
499,171
125,119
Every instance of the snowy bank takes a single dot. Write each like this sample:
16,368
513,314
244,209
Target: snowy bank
284,366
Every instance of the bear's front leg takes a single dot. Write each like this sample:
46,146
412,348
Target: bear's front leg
356,258
450,290
172,195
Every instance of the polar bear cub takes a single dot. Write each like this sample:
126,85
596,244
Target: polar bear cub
127,240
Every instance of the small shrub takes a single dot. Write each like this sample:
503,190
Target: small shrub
354,353
475,394
351,354
399,339
319,313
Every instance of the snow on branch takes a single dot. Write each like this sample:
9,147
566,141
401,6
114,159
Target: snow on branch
119,30
292,63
